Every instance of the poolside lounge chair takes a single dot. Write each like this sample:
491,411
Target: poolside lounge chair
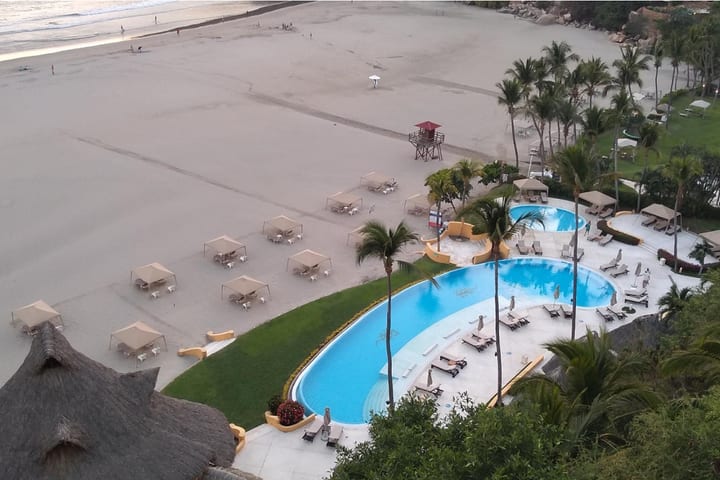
537,248
476,343
444,367
661,225
453,360
565,253
519,315
605,213
433,389
522,248
334,435
595,234
553,310
617,311
543,197
605,240
593,210
566,310
611,264
671,229
314,428
511,323
644,300
620,270
649,221
485,338
606,314
532,198
636,292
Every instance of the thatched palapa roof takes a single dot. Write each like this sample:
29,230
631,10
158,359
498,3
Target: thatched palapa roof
66,416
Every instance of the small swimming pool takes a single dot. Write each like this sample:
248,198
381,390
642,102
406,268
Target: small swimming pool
555,219
347,375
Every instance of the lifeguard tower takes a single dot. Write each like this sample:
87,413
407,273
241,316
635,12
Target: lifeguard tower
428,142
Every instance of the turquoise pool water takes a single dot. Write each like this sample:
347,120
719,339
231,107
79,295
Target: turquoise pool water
347,375
555,219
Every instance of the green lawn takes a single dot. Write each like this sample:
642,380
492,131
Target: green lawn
241,378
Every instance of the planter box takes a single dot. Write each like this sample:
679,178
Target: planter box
275,422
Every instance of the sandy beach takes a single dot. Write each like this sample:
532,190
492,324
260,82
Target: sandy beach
121,159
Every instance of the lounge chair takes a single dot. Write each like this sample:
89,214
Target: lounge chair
605,213
533,198
606,314
605,240
661,225
334,435
453,360
649,221
519,315
617,271
593,210
537,248
314,428
594,235
644,300
444,367
522,248
511,323
636,292
543,197
611,264
671,229
565,253
566,310
617,311
433,389
553,310
477,343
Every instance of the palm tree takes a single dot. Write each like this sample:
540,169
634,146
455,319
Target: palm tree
594,123
442,189
701,360
491,215
557,57
657,53
629,68
575,167
511,94
681,171
674,47
700,251
524,72
675,299
541,109
567,114
385,244
621,106
596,75
466,170
649,135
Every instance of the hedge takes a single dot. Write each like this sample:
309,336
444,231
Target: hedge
686,267
621,237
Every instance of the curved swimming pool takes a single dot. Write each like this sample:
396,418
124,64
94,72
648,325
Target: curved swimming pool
347,375
555,219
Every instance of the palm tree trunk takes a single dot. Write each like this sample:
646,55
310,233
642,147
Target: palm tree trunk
656,86
550,141
512,125
388,349
617,180
642,180
498,354
677,204
575,262
590,97
438,224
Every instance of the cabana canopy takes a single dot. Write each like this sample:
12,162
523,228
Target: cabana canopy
375,179
66,416
597,198
151,273
419,200
282,225
626,143
348,200
244,286
530,185
660,211
700,104
308,259
137,336
224,245
355,236
712,237
31,316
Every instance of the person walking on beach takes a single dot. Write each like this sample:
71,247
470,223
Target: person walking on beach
122,30
178,31
52,69
155,19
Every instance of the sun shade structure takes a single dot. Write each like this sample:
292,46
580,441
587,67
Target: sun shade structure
417,204
152,273
597,198
530,185
31,316
244,286
660,211
282,225
137,336
67,416
224,245
354,237
626,143
376,180
344,200
700,104
309,259
712,237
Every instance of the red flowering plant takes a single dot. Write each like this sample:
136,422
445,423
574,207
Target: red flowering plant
290,412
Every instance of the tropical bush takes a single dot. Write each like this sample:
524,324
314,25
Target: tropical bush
273,404
290,412
686,267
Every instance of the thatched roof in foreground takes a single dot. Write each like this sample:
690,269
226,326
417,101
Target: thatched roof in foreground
66,416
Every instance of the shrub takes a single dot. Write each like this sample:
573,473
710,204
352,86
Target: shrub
290,412
621,237
686,267
274,403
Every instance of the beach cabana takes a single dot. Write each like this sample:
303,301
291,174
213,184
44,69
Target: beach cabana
245,286
342,202
626,143
530,185
65,415
136,337
150,274
225,247
354,237
660,211
700,105
595,197
33,315
282,225
712,237
376,181
307,262
417,204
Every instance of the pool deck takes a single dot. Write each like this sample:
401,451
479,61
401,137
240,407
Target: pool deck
274,455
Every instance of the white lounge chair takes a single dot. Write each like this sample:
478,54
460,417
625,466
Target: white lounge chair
314,428
445,367
617,271
606,314
476,343
553,310
453,360
334,436
605,240
433,389
537,248
636,292
522,248
617,311
644,300
566,310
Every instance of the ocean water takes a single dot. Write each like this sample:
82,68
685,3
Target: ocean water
35,27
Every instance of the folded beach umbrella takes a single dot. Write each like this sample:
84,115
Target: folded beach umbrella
619,256
613,300
638,269
429,379
512,303
481,322
326,418
556,293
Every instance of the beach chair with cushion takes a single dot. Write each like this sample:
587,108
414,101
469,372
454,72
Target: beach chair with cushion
537,248
532,198
444,367
594,235
453,360
617,311
649,221
485,338
511,323
605,213
605,240
553,310
644,300
611,264
636,292
565,253
593,210
334,435
433,389
606,314
672,229
522,248
620,270
520,315
566,310
314,428
661,225
543,197
477,343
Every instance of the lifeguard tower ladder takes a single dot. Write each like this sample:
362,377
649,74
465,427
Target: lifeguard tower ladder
428,142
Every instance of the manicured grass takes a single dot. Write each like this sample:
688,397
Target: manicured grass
241,378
